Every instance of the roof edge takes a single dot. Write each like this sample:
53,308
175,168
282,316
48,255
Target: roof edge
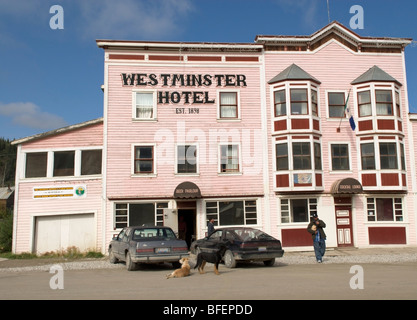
57,131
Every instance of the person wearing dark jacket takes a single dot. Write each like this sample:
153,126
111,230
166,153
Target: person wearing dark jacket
210,227
315,227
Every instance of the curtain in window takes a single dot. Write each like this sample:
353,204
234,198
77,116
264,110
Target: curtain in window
228,105
144,105
230,158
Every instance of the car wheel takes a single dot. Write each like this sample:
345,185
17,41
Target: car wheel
130,265
269,263
112,257
229,259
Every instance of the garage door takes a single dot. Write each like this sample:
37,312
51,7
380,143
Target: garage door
56,233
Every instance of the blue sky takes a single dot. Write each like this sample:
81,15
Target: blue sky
51,78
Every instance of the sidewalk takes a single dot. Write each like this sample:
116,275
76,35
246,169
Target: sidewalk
336,252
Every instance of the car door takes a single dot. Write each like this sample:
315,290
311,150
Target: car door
212,242
124,243
116,243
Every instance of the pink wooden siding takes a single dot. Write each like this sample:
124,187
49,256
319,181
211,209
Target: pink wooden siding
28,208
171,128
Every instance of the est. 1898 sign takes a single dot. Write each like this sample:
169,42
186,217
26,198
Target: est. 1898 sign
184,80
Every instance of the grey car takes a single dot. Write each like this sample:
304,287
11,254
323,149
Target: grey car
142,244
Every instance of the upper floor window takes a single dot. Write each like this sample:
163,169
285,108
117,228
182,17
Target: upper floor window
280,103
379,102
36,164
229,158
383,100
336,104
63,163
228,105
187,159
144,159
144,105
301,155
340,157
364,103
388,155
368,156
299,101
90,162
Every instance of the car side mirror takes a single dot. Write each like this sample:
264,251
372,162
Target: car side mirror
115,237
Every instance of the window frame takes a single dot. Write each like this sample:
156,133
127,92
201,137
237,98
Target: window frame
177,158
291,88
329,106
134,104
148,173
286,209
239,164
384,102
333,158
124,216
398,210
219,105
250,211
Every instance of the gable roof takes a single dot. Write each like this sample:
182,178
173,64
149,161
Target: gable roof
58,131
375,74
338,32
293,72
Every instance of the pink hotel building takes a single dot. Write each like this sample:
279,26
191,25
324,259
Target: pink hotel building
251,134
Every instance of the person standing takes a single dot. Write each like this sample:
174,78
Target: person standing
315,227
210,227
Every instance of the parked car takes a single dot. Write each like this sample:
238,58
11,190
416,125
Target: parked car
242,244
142,244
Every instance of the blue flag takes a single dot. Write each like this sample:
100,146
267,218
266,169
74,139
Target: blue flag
349,114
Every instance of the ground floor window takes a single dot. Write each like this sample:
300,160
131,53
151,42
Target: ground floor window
297,210
385,209
137,214
226,213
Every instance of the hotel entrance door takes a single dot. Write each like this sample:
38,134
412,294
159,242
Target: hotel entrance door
344,226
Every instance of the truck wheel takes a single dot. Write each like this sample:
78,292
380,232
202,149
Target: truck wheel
229,259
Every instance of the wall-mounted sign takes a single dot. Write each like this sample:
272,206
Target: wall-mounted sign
187,190
53,192
184,80
348,185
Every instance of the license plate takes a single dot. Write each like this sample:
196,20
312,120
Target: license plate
162,250
261,248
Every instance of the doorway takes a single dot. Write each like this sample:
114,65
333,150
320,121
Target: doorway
343,210
187,221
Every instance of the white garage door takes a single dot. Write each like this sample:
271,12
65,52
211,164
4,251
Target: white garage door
56,233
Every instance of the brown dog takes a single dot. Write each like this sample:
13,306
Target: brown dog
181,272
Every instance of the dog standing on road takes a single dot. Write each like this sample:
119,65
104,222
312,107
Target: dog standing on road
212,257
184,271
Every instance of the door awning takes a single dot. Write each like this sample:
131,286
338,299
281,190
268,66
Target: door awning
346,186
187,190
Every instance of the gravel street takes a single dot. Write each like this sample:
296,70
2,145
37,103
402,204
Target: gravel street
385,275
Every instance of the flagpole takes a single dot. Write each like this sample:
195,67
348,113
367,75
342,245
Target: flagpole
344,112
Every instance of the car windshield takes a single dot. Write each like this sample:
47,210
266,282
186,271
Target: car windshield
149,234
252,235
